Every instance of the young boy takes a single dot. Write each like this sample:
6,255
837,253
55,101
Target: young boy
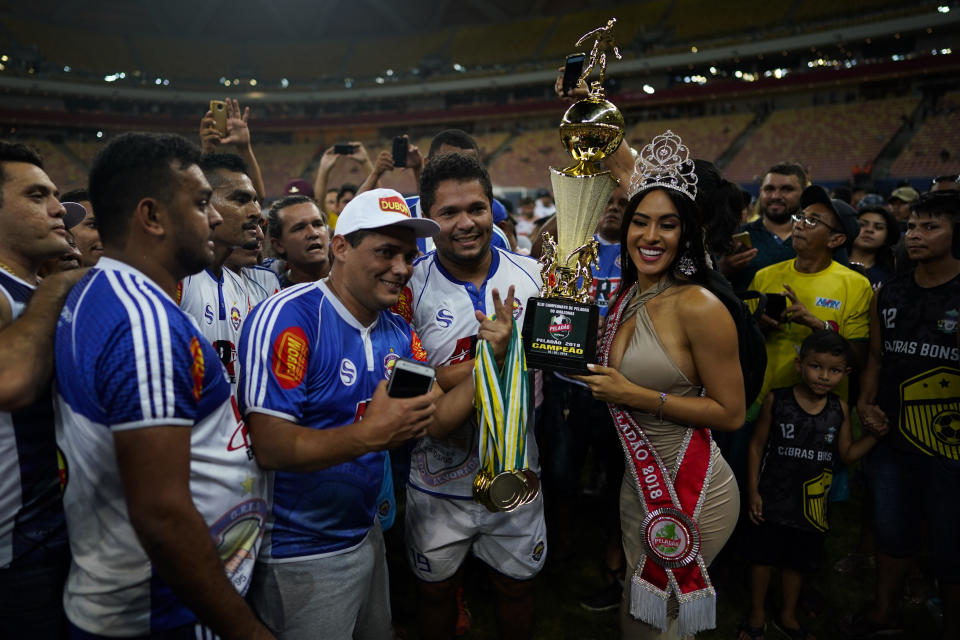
799,432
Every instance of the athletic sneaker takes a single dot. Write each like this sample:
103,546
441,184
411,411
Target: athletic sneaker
606,599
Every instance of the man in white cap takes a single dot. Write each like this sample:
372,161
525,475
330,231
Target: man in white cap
314,363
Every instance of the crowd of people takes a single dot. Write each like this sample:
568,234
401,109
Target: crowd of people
198,441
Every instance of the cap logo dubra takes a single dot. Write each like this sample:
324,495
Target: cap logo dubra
394,204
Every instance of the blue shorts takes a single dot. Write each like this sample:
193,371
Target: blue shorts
915,493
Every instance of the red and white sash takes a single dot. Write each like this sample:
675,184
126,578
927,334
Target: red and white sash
671,560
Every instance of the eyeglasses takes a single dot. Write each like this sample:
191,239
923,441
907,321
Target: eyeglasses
812,222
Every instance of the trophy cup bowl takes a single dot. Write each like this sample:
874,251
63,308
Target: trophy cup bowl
560,327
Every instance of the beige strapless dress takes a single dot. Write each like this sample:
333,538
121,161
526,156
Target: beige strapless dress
647,364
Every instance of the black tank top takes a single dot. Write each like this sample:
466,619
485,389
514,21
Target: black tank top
919,386
797,466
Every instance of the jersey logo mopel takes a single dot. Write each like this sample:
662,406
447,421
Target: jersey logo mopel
196,368
389,361
348,372
235,317
394,204
290,353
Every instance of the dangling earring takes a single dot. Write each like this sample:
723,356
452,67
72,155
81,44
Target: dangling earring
685,264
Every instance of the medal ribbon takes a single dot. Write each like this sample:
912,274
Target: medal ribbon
652,582
501,400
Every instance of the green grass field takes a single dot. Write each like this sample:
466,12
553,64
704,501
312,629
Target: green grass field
561,585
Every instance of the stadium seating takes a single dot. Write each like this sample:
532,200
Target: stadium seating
631,19
707,137
834,138
935,148
500,44
64,172
527,160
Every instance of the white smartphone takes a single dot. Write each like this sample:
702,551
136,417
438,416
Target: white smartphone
410,378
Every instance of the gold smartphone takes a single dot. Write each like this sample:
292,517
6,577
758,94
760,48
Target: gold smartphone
219,110
743,238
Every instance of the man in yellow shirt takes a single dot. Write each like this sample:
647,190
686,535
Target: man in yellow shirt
821,293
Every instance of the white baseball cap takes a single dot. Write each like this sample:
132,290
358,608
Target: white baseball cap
380,208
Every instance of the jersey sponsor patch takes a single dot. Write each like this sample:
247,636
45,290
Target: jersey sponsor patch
538,551
404,306
208,314
948,323
462,351
444,318
348,372
419,353
290,353
394,204
827,303
197,367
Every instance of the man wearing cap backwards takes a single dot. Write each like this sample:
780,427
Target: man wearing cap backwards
34,556
315,361
821,293
443,522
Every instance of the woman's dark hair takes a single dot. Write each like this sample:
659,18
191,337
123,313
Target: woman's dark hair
691,239
721,205
884,257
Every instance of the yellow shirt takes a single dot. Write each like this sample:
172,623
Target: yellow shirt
837,294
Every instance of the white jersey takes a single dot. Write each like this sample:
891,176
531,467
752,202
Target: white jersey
261,283
441,310
127,358
218,306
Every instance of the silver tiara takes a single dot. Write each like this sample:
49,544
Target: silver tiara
664,163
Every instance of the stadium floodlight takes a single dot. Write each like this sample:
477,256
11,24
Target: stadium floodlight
389,72
647,89
4,58
66,69
693,49
284,83
458,67
946,51
379,80
253,82
943,9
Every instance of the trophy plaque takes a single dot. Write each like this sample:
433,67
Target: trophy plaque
560,327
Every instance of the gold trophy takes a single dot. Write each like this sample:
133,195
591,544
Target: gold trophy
560,326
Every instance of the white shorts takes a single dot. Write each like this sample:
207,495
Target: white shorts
440,531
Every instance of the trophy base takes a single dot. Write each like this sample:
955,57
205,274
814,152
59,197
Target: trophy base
560,334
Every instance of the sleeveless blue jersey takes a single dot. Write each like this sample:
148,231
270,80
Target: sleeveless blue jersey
305,359
31,511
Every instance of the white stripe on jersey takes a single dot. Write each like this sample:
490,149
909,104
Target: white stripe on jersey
264,321
166,347
136,335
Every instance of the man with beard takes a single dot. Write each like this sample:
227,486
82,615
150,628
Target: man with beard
217,297
770,234
443,522
163,499
299,235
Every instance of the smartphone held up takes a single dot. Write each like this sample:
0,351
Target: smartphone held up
219,110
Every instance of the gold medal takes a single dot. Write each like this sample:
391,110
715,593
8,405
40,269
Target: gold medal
506,491
532,482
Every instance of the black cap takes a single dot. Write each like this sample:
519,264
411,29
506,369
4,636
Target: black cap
846,214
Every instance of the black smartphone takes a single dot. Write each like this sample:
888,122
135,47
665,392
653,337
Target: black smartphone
399,152
410,379
572,70
344,149
775,305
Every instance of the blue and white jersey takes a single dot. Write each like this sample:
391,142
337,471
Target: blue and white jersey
31,510
606,279
128,358
441,309
498,239
260,282
307,360
218,305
